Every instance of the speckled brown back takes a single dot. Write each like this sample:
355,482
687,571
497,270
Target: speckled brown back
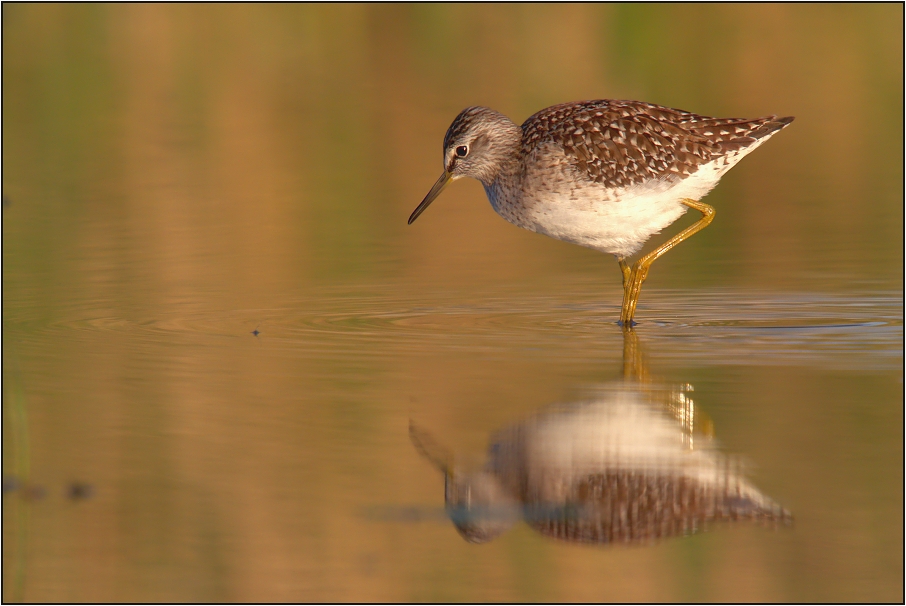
622,143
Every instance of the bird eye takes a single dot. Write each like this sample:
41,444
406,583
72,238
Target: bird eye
462,151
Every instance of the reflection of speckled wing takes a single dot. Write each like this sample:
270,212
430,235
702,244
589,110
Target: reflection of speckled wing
639,507
622,143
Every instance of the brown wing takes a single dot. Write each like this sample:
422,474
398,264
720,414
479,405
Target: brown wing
638,507
622,143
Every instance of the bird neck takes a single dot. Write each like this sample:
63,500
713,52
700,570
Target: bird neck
506,183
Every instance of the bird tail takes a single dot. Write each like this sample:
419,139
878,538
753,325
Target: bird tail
771,126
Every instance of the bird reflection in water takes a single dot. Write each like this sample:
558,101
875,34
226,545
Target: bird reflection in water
633,463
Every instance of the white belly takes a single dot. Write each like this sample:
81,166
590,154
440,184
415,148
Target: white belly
613,222
618,221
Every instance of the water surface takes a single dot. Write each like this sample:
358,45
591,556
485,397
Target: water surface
218,329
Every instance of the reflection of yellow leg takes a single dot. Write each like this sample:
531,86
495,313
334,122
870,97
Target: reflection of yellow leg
674,399
632,279
635,367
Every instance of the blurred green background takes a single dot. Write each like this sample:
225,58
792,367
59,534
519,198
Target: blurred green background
176,176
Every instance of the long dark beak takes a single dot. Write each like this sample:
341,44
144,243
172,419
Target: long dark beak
435,191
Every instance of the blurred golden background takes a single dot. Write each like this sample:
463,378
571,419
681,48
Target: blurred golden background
176,176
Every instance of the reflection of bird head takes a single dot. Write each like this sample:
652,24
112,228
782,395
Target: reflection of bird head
478,505
480,508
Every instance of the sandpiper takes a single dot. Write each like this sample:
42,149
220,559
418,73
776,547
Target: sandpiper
603,174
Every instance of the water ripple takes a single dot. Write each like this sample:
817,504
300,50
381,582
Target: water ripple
717,327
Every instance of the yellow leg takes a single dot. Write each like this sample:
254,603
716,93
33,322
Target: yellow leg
632,283
627,271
